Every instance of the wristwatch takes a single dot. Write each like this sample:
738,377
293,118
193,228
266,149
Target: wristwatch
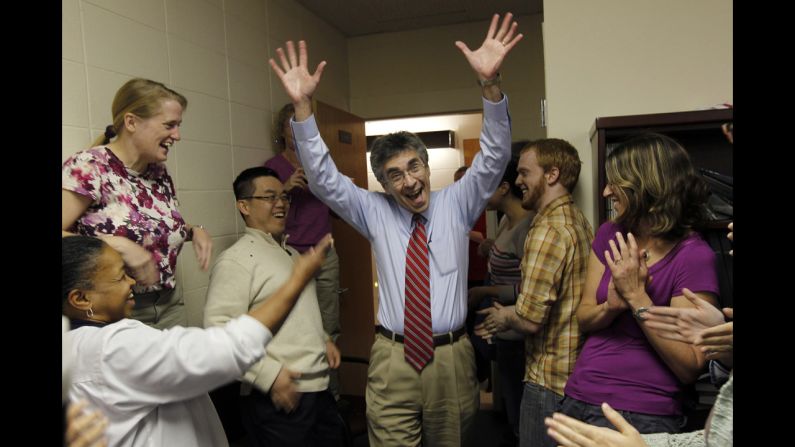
493,81
638,313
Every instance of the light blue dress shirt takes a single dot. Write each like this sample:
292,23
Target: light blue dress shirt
450,215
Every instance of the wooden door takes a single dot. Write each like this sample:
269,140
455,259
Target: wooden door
471,147
344,135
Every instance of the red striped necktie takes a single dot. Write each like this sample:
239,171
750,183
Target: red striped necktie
418,331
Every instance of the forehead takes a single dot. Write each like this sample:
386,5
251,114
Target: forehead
169,110
110,261
267,183
402,159
528,160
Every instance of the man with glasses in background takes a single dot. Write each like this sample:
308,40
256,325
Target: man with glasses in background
421,386
285,398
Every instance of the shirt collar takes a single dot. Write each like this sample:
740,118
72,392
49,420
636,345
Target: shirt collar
407,216
565,199
267,237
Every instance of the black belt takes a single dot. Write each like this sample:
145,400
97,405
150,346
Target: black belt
438,340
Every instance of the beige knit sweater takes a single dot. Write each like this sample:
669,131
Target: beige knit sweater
246,274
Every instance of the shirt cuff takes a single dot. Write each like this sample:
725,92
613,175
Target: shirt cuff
306,129
253,330
531,310
495,110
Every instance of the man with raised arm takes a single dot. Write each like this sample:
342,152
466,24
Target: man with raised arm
421,386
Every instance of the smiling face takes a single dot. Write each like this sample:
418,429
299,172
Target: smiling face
153,137
617,197
266,215
111,295
408,180
531,180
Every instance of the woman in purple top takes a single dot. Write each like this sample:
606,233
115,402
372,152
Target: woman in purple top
644,257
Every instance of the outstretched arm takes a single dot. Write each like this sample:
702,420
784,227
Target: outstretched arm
298,83
487,59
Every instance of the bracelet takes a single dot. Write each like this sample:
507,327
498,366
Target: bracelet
190,233
494,81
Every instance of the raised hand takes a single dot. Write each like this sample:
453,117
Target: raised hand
297,180
298,83
309,262
487,59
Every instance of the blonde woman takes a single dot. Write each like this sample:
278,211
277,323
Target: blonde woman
120,191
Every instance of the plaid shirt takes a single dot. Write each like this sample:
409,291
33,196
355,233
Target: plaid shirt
555,258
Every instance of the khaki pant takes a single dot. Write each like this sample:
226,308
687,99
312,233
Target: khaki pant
327,284
435,407
162,309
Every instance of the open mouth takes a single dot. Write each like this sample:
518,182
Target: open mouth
167,145
414,196
280,215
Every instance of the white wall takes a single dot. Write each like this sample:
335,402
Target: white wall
422,72
626,57
215,53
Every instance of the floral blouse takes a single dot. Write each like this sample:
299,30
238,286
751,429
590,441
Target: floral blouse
140,207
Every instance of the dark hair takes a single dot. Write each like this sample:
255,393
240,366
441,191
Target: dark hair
461,170
285,113
557,153
387,146
79,256
654,175
243,186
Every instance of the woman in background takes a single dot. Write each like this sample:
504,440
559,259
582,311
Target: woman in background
120,191
504,278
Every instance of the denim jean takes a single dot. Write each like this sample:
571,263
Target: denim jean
537,403
644,423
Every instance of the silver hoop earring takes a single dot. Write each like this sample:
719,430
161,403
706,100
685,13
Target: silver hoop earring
90,313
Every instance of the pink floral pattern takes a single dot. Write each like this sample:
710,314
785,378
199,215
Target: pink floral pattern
140,207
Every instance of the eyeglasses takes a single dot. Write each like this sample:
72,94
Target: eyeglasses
285,198
397,178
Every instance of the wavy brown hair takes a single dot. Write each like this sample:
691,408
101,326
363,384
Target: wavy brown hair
664,196
283,117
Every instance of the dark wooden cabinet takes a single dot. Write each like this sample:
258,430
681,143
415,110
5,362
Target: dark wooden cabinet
699,132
